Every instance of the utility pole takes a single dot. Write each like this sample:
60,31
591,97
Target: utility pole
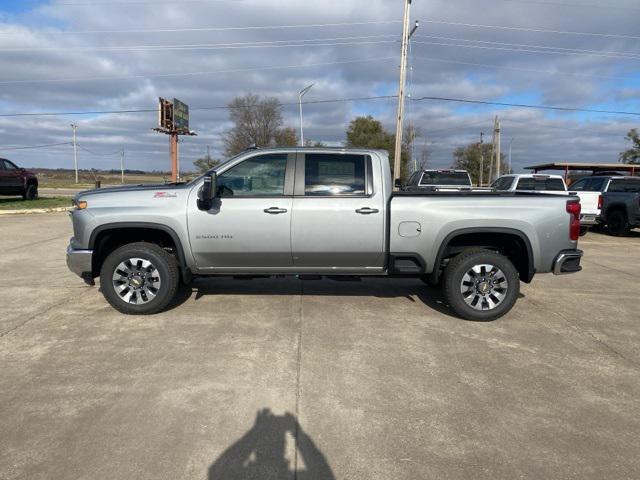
481,159
122,165
510,143
497,147
75,150
300,95
173,149
406,35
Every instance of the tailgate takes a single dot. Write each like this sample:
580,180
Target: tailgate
589,202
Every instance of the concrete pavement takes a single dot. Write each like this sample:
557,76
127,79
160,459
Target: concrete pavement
362,380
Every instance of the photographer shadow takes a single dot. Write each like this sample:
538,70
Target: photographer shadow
260,454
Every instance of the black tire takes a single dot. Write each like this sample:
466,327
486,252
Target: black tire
167,273
583,231
508,289
617,224
31,192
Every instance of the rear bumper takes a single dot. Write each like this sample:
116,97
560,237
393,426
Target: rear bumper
589,219
79,261
567,261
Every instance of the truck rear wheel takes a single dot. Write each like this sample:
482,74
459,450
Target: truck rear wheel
617,223
139,278
481,285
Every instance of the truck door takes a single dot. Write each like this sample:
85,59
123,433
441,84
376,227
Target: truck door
249,225
338,220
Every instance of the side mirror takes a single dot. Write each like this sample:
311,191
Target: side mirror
208,191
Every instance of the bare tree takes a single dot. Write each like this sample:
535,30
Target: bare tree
257,121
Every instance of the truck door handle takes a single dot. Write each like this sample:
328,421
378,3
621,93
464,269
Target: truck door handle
275,210
367,211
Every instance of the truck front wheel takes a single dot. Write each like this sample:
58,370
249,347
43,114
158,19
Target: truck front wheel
139,278
481,285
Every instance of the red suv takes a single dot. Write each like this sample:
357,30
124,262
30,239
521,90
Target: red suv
17,181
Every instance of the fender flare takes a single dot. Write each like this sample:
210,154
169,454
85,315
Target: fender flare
435,274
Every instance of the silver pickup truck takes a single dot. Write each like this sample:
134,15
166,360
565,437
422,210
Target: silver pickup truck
318,211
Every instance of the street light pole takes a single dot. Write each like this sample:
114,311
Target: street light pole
75,150
300,95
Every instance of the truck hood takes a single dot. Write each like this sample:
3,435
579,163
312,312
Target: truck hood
133,188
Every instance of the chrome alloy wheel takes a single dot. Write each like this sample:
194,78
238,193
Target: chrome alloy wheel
484,287
136,281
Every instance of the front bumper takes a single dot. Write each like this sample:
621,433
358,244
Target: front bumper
80,261
567,261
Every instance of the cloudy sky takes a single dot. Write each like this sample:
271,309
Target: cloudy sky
96,55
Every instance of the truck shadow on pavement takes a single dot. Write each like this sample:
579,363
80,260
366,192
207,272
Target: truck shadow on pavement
262,453
413,290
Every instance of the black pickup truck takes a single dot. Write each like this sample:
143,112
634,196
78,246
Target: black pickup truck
621,206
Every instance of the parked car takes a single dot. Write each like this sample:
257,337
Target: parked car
17,181
313,211
439,180
590,190
620,205
531,182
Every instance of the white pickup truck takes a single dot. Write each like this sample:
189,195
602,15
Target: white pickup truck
590,190
531,182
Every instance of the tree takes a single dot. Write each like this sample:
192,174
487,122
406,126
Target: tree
257,121
367,132
205,163
633,154
469,158
286,137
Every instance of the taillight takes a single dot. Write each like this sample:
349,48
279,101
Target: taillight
573,209
599,202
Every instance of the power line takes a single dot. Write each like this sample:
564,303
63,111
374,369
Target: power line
573,4
211,46
522,105
339,100
29,147
184,74
543,52
543,47
523,69
532,29
117,152
213,29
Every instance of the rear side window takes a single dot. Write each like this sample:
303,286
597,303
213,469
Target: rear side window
445,178
503,183
624,185
334,174
526,184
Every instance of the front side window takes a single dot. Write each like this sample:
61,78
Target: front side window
334,174
257,176
8,165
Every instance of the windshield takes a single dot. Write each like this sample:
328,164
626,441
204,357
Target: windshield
446,178
217,167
